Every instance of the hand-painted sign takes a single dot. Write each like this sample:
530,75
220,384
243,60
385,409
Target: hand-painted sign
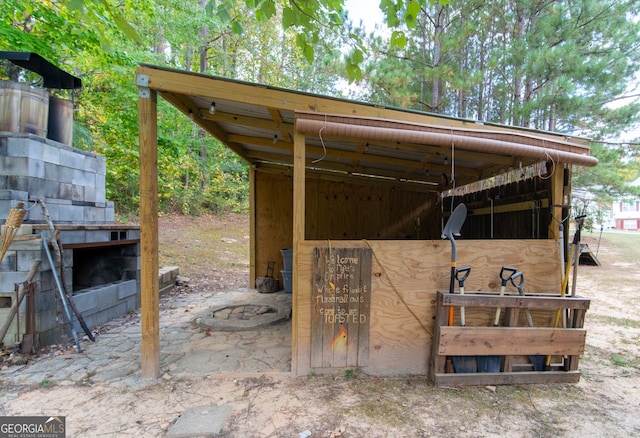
340,305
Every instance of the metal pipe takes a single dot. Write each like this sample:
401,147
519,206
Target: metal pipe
413,134
60,289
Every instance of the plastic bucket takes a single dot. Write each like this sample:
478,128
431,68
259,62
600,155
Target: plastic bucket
287,281
287,258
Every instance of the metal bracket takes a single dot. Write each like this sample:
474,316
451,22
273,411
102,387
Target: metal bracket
142,80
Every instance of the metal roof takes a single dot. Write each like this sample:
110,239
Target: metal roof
53,77
348,138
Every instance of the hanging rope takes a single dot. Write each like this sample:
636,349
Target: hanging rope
430,332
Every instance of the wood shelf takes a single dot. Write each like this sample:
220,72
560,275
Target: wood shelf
511,341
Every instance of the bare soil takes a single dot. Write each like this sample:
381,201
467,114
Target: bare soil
213,253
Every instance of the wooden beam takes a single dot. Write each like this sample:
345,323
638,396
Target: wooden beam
149,288
346,169
354,155
188,109
299,208
254,122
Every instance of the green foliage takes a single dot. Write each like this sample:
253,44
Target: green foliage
544,65
609,179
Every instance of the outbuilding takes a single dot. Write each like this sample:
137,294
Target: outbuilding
360,193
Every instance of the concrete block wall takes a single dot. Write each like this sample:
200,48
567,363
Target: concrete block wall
14,269
98,304
72,182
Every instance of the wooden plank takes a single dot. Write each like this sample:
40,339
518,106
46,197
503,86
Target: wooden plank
519,378
149,265
413,271
537,301
340,307
274,220
509,208
471,341
511,320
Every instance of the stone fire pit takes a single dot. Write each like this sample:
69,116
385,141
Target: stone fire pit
244,316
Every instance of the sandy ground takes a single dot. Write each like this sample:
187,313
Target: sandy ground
606,401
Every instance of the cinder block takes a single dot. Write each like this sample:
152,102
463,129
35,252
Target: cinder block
18,146
133,234
51,154
35,168
16,182
42,188
89,194
109,214
47,282
74,236
26,259
82,177
92,215
51,172
17,166
45,301
127,289
68,158
47,325
101,165
107,295
9,279
101,195
70,192
65,175
85,302
9,262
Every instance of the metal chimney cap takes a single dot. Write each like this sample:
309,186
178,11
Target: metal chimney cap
52,75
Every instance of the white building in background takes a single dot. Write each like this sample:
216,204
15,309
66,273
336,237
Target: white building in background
626,211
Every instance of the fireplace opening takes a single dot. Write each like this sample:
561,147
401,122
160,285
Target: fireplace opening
101,265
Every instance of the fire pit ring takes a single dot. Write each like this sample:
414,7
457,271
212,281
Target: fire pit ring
245,316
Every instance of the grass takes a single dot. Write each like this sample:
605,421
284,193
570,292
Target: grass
621,322
214,243
625,360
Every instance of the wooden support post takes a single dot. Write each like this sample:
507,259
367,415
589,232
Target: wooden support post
299,157
150,295
557,199
253,246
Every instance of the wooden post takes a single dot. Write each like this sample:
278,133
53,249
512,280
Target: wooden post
252,227
557,200
298,234
150,295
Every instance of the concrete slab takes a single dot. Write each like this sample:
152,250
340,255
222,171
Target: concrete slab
202,421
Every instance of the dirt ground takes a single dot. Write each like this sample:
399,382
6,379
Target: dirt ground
213,253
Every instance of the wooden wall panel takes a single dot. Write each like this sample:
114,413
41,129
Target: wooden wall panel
273,221
336,210
405,278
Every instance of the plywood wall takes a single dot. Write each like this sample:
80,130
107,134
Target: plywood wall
405,277
337,210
